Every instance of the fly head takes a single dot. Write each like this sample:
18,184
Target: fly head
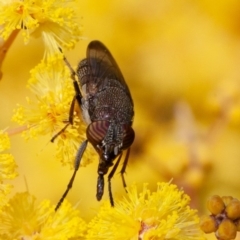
109,140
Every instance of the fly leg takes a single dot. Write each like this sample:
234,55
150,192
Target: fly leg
110,176
78,94
77,97
82,148
70,120
79,155
123,170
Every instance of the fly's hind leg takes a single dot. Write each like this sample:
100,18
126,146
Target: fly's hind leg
77,97
78,94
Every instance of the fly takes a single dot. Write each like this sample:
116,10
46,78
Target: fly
107,108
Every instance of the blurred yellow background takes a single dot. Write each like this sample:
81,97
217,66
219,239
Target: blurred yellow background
181,60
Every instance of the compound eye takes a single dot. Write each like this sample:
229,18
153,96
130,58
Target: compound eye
96,132
128,137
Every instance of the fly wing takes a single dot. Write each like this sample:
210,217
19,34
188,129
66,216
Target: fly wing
102,64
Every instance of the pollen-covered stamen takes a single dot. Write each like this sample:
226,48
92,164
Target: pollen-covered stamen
163,214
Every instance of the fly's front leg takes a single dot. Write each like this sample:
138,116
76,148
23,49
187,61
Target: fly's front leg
123,170
110,176
78,159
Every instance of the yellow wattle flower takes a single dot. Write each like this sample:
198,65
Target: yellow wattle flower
53,19
7,168
23,218
164,214
48,112
51,84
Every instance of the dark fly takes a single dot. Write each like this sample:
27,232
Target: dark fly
107,108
